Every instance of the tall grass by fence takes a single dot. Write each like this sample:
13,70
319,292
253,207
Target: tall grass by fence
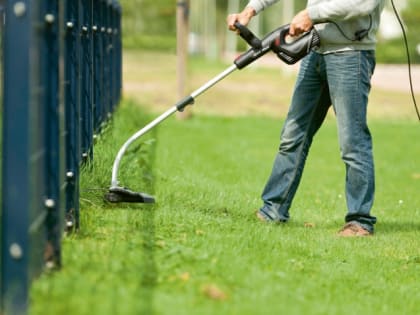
61,82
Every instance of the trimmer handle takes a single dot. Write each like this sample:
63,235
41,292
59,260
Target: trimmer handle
248,36
276,41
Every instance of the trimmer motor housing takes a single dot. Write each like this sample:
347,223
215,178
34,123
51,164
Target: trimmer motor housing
289,49
295,50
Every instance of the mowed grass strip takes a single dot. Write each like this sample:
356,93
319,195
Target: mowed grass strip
199,249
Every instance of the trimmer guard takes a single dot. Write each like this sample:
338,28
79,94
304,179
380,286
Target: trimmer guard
122,194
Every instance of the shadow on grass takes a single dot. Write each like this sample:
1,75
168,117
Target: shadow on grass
382,227
149,273
140,174
397,227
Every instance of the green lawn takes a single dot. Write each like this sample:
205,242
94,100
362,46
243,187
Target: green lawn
199,250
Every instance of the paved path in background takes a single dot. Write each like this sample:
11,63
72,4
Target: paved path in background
389,77
395,77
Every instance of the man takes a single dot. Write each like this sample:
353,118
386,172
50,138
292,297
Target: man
337,74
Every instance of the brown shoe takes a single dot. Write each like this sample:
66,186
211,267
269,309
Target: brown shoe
353,229
260,217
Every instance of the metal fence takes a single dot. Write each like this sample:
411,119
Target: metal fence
61,82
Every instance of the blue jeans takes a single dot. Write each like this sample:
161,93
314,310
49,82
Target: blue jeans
342,80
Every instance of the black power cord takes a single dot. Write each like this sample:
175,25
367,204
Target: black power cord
359,35
408,58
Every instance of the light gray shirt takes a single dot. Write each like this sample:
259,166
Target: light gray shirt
344,17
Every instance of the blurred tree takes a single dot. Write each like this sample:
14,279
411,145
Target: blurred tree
149,24
393,50
209,32
146,16
411,17
152,24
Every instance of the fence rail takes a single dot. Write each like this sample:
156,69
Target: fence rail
61,82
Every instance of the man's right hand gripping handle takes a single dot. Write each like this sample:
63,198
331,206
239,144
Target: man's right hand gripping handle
243,18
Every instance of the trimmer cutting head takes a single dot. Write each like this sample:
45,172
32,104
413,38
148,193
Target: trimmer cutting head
121,194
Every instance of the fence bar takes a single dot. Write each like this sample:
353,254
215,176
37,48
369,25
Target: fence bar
54,131
112,34
119,57
97,66
72,107
86,52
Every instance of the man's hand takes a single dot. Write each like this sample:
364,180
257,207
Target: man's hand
244,17
301,23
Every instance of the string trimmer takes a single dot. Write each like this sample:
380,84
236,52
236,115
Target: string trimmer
290,50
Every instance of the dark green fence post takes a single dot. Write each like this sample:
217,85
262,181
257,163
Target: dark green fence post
54,133
97,66
86,68
31,181
72,97
119,52
108,56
